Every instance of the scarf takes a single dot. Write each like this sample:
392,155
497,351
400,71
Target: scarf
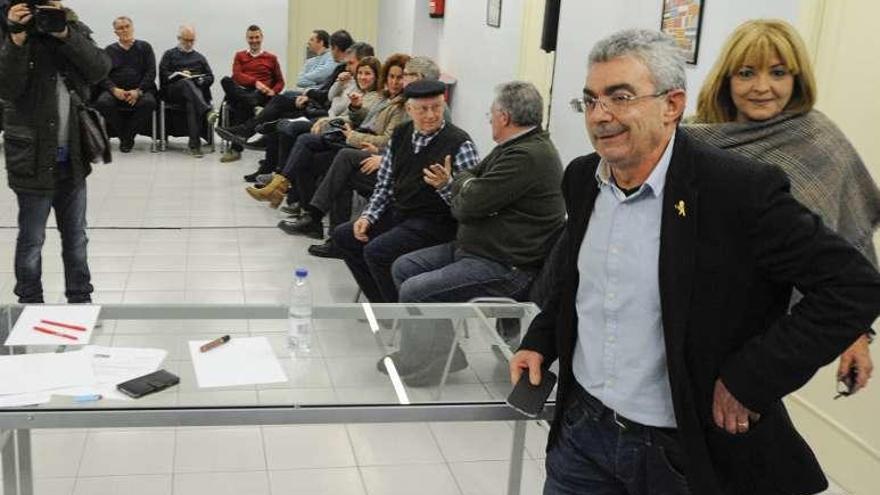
827,175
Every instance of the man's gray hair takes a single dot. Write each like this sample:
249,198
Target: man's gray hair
424,66
522,101
659,52
122,18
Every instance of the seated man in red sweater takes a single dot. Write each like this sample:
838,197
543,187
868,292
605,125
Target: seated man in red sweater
256,77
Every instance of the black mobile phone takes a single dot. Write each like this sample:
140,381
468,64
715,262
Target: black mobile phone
147,384
529,399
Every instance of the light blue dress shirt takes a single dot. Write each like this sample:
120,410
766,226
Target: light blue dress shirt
316,70
620,357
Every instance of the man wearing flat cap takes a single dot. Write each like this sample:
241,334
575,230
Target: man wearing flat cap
405,213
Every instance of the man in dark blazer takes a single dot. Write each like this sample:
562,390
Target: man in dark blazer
670,313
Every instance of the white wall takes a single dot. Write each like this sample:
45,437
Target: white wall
480,57
396,21
220,27
582,24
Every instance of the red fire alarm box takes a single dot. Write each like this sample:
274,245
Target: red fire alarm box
436,8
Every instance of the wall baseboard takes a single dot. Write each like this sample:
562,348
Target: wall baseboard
852,463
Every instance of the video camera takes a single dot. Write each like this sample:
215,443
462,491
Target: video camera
47,18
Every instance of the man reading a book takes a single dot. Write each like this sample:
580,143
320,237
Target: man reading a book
185,78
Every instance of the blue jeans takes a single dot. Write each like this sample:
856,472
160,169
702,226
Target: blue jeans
599,454
391,236
446,274
69,202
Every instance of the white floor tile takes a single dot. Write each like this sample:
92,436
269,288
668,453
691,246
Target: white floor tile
156,281
393,444
303,373
54,486
338,481
474,441
212,280
155,262
311,446
219,450
57,455
128,485
430,479
233,483
110,453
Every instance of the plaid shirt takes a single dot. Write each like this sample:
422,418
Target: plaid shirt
466,158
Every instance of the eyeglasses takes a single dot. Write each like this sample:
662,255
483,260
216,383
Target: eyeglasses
611,104
424,109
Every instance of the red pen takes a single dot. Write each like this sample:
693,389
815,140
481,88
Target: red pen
53,332
64,325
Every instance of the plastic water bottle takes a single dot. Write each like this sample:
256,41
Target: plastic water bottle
299,314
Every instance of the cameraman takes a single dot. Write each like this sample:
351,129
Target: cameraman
45,45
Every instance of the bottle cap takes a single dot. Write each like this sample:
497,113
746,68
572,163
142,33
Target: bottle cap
301,272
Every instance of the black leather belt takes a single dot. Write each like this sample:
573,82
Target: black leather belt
603,411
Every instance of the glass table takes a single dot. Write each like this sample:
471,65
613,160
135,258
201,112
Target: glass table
338,381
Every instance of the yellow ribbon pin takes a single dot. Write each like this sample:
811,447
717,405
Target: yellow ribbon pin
680,208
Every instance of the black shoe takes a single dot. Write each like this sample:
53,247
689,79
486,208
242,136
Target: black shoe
326,250
237,134
267,127
126,146
305,225
258,144
432,372
293,210
252,177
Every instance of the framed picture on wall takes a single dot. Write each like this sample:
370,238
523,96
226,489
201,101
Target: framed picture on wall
493,13
682,20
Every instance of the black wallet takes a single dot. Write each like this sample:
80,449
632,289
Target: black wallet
147,384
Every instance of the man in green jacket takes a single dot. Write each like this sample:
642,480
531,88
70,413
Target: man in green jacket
44,157
509,209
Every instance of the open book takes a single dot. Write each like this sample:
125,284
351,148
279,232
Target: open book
182,75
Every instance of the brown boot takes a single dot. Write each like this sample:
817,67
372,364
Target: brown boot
265,193
276,198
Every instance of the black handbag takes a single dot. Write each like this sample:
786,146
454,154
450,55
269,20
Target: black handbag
93,137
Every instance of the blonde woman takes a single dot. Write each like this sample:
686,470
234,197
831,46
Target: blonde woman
758,101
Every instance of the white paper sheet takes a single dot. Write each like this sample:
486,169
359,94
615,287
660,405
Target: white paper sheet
84,315
241,361
19,400
114,365
27,373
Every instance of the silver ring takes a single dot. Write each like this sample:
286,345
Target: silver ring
744,424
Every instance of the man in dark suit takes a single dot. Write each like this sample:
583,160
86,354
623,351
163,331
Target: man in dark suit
670,314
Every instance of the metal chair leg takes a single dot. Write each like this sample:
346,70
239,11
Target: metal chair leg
162,130
154,146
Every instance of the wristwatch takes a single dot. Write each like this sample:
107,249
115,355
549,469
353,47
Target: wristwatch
15,27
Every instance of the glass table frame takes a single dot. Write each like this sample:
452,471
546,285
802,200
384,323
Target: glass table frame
16,423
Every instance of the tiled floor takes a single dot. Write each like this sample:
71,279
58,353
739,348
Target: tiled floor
169,228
